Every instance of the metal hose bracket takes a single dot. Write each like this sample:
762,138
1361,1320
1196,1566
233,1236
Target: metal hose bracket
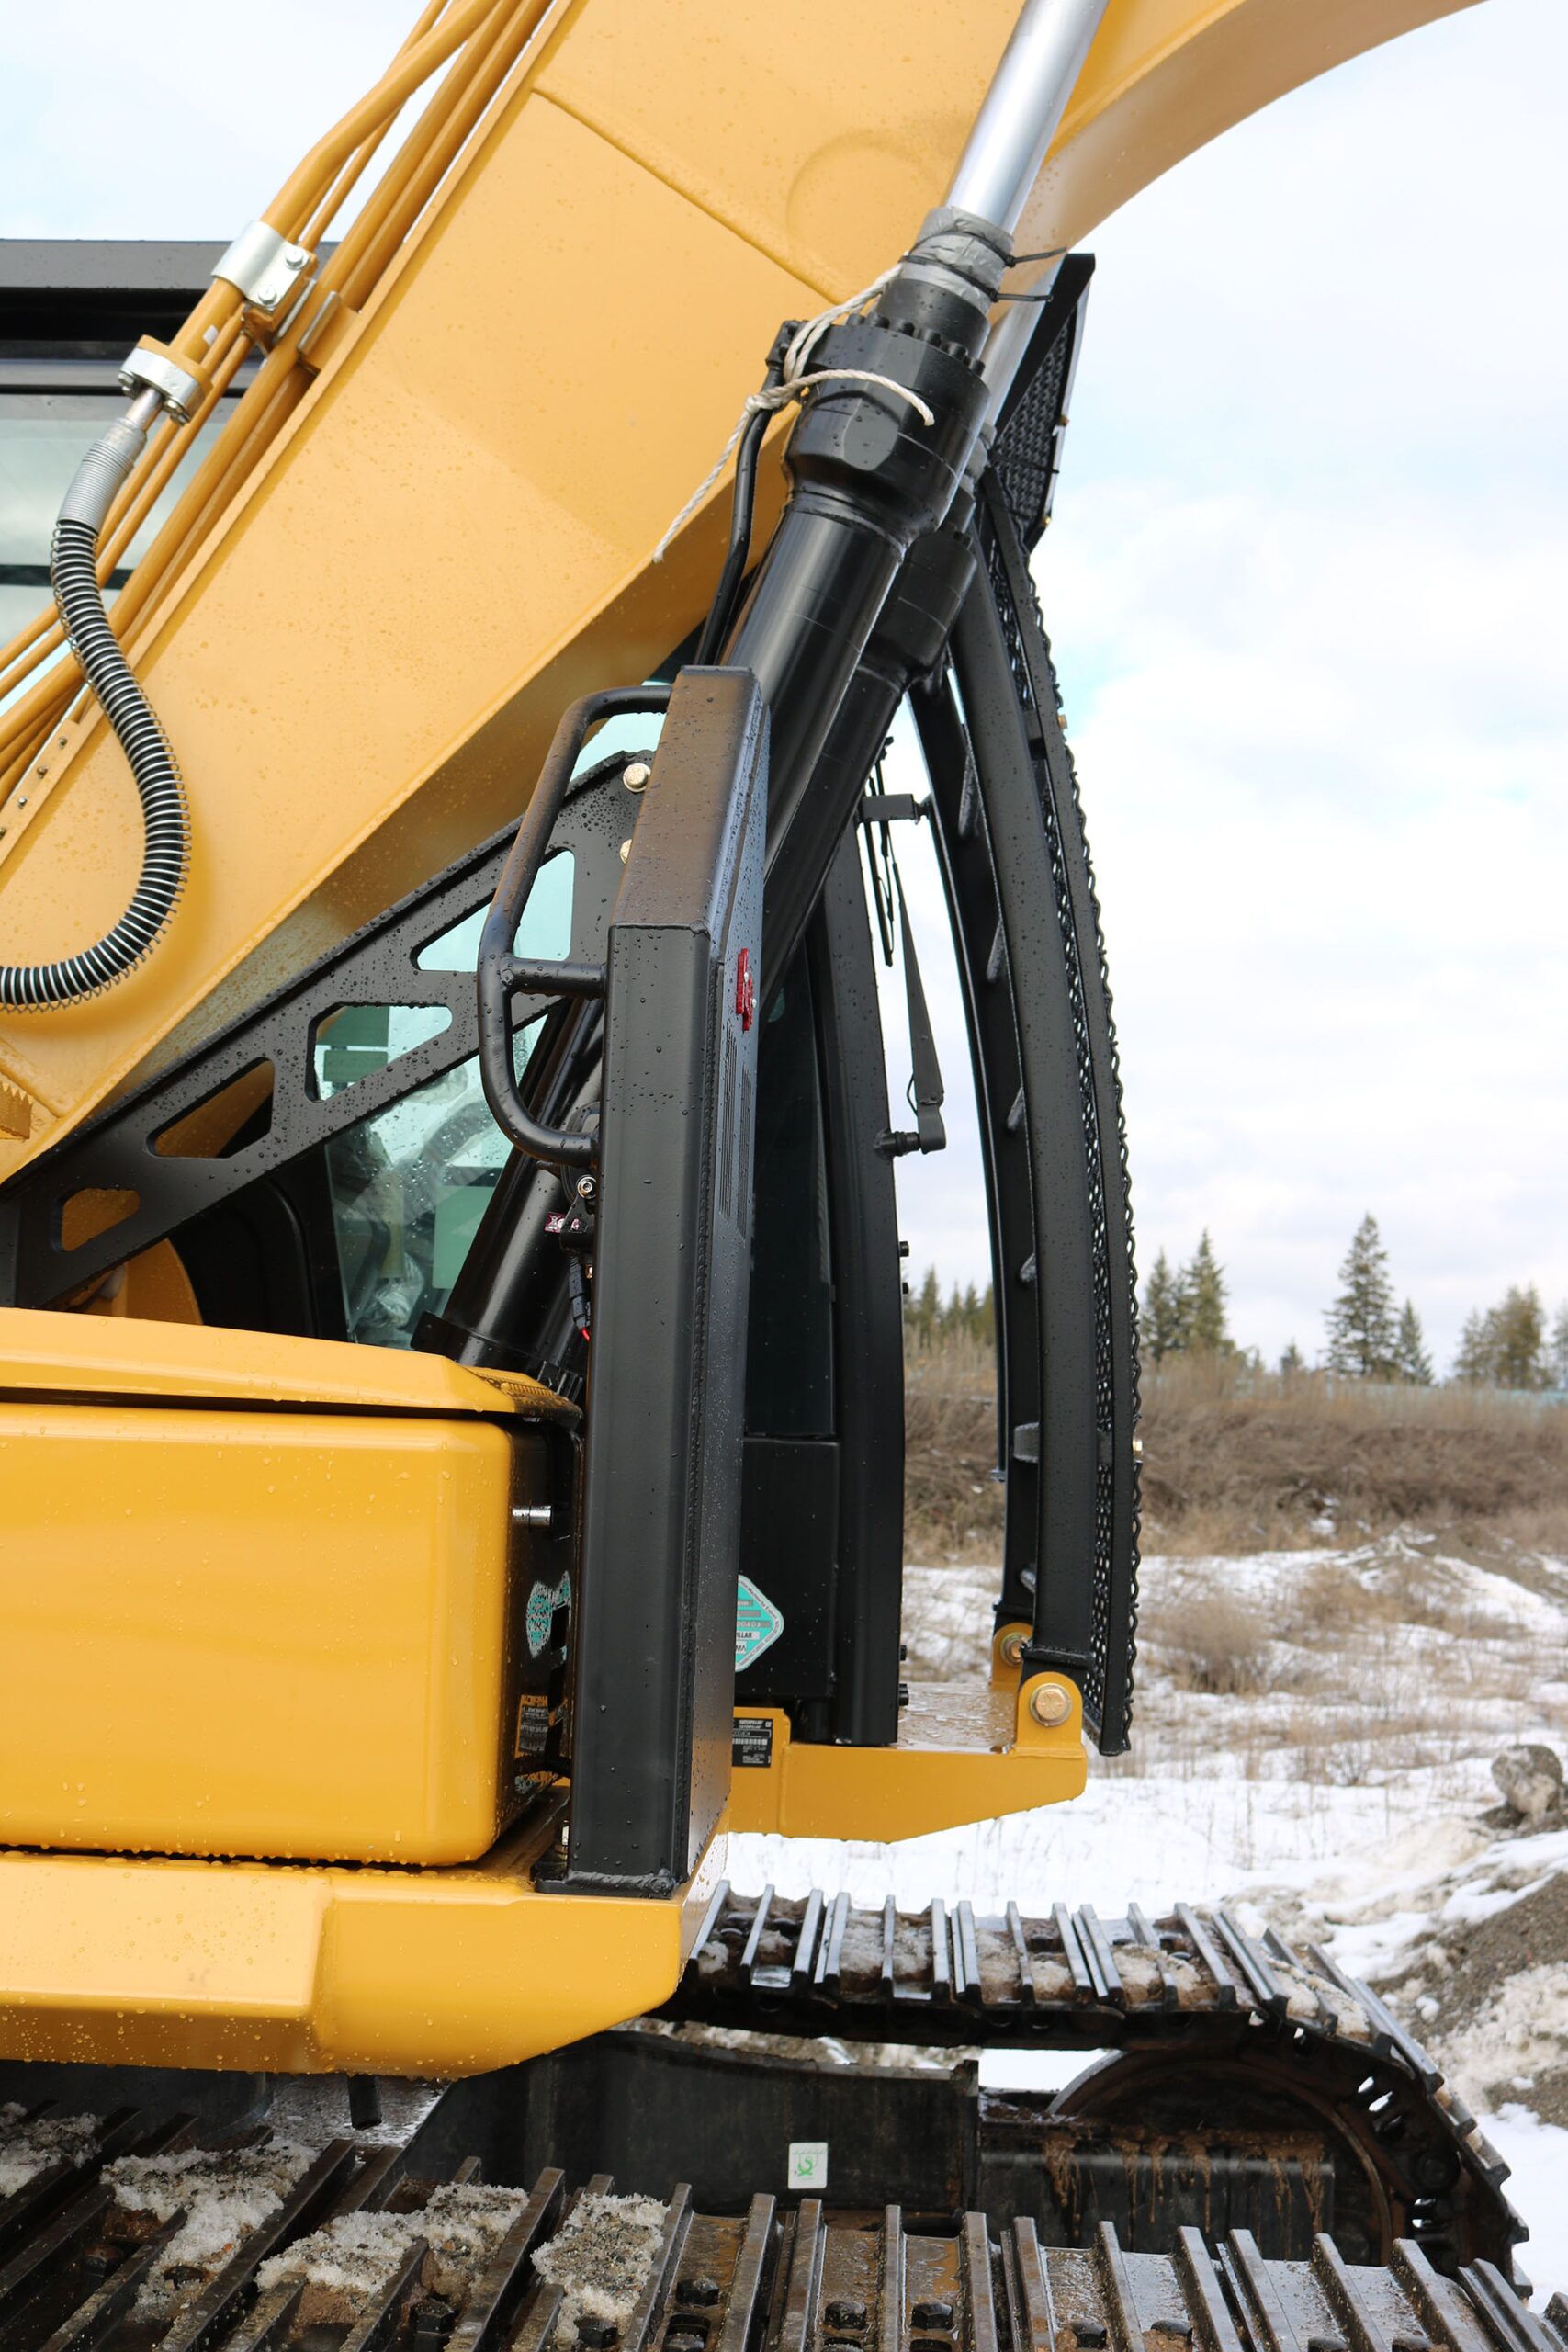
165,856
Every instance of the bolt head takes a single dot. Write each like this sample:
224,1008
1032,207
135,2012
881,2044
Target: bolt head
1012,1647
1050,1705
635,776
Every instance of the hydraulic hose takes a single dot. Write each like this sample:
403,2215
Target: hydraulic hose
73,566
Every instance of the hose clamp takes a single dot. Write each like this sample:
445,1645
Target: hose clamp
263,266
180,391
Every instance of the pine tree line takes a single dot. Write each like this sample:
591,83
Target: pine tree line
929,1319
1510,1346
1370,1335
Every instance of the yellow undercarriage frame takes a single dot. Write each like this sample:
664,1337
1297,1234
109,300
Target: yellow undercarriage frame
260,1601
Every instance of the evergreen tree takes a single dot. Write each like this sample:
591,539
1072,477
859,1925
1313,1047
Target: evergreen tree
1162,1326
1411,1360
1559,1349
1506,1348
924,1312
1473,1360
971,1313
1206,1329
1362,1331
1291,1362
985,1321
1518,1339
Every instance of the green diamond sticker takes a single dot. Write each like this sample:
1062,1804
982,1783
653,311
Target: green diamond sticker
543,1603
758,1623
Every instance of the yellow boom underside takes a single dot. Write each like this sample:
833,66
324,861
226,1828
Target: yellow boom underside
448,533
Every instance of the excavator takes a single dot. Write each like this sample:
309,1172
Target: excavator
451,1322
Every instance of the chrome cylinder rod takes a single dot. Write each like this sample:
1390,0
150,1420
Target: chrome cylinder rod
1024,108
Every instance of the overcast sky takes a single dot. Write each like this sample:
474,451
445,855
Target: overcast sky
1306,586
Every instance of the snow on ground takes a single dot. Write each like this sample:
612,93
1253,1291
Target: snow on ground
1314,1735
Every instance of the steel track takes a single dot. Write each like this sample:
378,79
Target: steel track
1197,2011
762,2274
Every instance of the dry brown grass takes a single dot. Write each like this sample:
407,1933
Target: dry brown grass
952,1503
1215,1644
1230,1467
1236,1462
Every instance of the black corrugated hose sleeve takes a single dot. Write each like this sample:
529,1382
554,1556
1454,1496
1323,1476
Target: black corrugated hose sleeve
165,826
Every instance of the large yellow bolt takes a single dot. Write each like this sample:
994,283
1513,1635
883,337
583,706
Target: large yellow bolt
1050,1705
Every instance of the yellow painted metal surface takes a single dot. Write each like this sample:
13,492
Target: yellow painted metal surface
46,1354
963,1754
318,1971
450,536
251,1632
452,1970
154,1286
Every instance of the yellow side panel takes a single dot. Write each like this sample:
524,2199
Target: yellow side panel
254,1633
43,1353
295,1970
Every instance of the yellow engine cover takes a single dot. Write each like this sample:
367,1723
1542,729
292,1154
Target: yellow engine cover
285,1623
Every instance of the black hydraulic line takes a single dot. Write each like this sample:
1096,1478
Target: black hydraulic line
869,476
732,580
909,639
867,1310
166,828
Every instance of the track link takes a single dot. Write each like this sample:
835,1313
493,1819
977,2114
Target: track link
762,2276
1191,2001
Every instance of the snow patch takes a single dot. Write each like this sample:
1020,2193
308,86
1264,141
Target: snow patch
27,2149
345,2264
602,2258
225,2194
1521,2032
1537,2156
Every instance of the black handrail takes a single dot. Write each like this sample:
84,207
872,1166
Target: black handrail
502,974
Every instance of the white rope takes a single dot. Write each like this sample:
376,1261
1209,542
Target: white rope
796,380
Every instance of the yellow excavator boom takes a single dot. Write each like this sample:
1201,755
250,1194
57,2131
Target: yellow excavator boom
430,523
